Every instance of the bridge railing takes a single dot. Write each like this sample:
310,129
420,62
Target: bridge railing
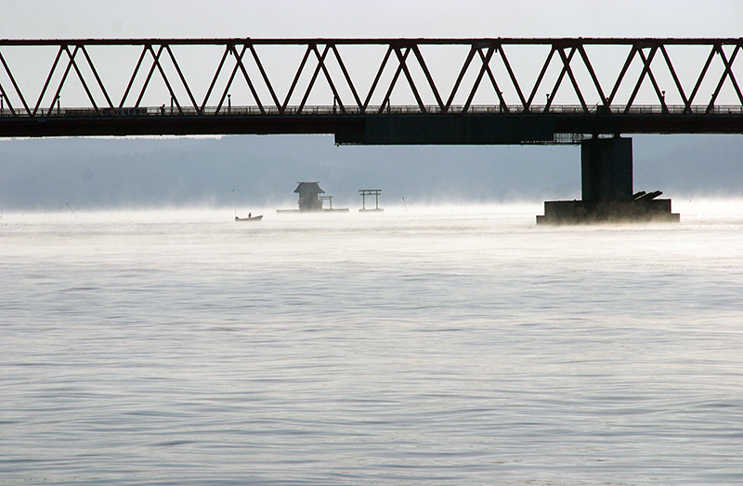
326,110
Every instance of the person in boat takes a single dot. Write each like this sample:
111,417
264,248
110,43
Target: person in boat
249,215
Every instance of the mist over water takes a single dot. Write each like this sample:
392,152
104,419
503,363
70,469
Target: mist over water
438,345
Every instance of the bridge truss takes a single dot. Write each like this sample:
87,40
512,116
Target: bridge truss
182,86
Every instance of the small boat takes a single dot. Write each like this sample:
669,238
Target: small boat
250,218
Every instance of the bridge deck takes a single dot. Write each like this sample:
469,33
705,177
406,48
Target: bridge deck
536,125
378,110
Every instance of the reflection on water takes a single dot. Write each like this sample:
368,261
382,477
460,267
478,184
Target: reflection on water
442,345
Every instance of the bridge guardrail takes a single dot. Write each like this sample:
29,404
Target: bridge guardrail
323,110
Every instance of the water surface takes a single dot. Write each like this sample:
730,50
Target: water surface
446,345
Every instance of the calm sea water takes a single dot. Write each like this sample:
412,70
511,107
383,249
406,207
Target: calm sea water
453,345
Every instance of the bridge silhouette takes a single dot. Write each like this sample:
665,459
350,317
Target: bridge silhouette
384,91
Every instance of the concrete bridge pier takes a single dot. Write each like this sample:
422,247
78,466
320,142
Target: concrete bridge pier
606,188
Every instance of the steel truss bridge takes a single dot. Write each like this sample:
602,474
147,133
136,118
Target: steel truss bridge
372,91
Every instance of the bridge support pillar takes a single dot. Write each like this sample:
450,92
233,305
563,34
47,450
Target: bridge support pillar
606,169
606,185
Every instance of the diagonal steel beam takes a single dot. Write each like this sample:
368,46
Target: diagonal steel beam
498,91
328,77
173,97
244,71
3,97
622,73
431,82
265,77
229,49
731,75
183,79
238,65
646,67
296,78
592,73
512,75
677,82
15,85
386,100
485,68
133,77
702,74
48,79
661,94
404,67
320,67
546,64
97,77
148,48
458,82
80,76
377,77
346,75
727,73
62,81
156,65
226,91
566,70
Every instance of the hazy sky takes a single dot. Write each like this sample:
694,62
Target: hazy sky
361,18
